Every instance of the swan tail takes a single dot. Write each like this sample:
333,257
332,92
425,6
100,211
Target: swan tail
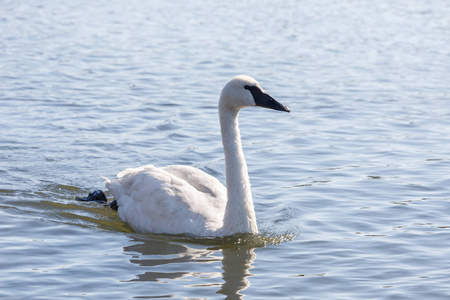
114,187
107,180
109,184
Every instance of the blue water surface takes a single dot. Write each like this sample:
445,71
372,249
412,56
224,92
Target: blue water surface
351,189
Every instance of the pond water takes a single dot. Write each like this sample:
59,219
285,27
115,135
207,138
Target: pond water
351,189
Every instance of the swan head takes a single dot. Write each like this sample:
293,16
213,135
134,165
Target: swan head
244,91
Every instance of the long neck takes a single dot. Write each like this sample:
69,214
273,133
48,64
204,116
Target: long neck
240,213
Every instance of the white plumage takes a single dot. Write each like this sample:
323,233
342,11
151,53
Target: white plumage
184,200
172,199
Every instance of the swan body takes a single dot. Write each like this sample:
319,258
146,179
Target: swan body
184,200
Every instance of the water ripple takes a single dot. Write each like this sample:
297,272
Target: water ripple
351,188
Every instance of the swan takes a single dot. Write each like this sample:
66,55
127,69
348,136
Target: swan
181,199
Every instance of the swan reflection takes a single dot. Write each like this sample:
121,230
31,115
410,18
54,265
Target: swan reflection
236,270
164,260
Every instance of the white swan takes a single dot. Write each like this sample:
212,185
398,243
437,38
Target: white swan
185,200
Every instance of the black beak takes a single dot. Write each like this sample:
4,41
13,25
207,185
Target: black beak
265,100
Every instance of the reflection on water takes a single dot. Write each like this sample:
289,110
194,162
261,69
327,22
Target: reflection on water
163,255
236,270
155,253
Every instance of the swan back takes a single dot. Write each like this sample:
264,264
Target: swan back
172,199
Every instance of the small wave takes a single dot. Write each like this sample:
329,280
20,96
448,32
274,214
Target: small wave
241,240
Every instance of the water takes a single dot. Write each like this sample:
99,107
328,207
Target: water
351,188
